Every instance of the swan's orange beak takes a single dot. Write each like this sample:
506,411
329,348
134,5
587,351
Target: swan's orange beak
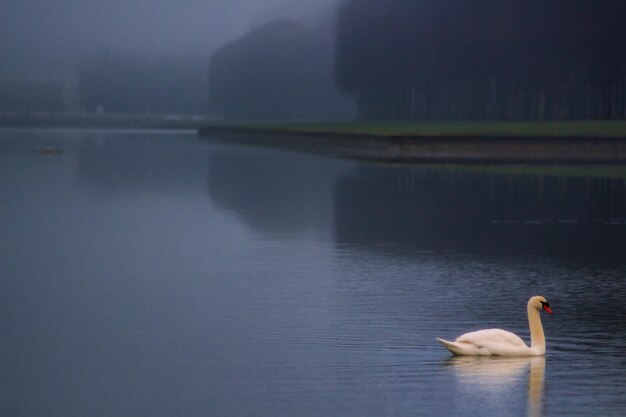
547,308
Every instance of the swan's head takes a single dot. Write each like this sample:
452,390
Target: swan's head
540,303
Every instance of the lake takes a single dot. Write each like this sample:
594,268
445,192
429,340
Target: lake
150,273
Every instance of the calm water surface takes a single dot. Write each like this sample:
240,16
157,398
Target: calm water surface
156,274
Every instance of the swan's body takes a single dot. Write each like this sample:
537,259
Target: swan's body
497,342
490,342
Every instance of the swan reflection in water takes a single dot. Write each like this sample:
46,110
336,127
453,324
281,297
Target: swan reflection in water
499,376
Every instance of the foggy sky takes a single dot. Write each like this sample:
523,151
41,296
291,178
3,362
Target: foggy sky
43,39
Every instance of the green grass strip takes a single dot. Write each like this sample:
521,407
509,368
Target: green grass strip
591,129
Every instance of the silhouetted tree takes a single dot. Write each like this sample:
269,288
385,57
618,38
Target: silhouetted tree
280,70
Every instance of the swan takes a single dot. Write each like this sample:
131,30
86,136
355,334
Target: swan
498,342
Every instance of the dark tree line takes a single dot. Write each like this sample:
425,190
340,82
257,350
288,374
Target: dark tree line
483,59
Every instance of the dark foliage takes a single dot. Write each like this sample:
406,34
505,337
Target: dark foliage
281,70
483,59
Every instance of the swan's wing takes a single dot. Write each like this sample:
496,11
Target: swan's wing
492,342
461,349
491,336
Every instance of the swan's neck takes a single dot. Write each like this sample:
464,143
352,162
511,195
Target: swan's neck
537,338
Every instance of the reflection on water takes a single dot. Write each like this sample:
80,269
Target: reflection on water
158,274
485,213
500,376
277,195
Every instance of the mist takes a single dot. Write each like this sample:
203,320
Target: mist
44,40
321,60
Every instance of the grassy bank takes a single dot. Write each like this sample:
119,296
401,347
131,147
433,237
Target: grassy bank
590,129
581,142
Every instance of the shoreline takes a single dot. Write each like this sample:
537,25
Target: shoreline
428,148
97,121
577,142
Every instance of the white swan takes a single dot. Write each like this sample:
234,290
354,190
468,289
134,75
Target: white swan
497,342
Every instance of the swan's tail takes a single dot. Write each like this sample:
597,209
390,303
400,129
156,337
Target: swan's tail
451,346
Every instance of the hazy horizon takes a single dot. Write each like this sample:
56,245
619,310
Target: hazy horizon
43,39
